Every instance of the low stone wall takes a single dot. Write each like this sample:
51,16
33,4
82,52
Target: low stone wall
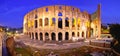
100,44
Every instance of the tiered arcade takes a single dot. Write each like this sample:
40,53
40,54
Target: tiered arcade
59,23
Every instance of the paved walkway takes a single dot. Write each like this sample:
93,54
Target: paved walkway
40,45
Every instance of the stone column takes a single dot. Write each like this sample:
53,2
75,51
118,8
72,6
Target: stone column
56,36
70,35
75,33
70,23
56,25
50,37
85,34
38,35
63,22
43,36
34,36
63,36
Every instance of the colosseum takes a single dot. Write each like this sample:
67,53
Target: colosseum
61,23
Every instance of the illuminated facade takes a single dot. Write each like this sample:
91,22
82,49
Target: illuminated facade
59,23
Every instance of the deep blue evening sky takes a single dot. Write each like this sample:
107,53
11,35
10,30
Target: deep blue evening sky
12,11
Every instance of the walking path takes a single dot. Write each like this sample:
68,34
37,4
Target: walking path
41,45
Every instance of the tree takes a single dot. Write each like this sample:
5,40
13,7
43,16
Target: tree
115,31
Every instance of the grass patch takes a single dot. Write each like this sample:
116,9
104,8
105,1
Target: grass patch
24,51
81,51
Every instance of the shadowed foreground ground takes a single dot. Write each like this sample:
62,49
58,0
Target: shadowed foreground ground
81,51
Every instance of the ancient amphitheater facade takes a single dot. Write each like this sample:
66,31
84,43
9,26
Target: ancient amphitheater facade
60,22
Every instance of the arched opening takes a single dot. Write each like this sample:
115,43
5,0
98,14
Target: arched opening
40,22
36,35
66,22
53,21
91,31
41,36
73,22
36,24
60,36
66,36
46,22
59,14
78,22
60,23
73,34
53,36
32,35
82,34
46,36
78,34
36,16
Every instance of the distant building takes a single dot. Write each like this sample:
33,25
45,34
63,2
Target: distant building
61,22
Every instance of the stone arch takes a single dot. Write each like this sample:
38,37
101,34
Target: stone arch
46,36
41,36
40,22
32,35
78,34
36,24
91,31
60,36
73,22
36,35
73,34
83,34
53,21
66,36
66,22
46,21
60,23
53,36
59,14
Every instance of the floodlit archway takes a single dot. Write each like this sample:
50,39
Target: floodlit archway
32,35
82,34
41,36
53,36
66,36
36,35
66,22
60,23
60,36
73,34
46,36
78,34
46,22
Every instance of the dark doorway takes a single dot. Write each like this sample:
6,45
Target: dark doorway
32,35
66,22
46,36
66,36
36,35
41,36
91,32
53,36
82,34
78,34
73,34
60,36
60,23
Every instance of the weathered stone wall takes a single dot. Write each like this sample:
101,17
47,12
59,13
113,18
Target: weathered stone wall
10,45
80,18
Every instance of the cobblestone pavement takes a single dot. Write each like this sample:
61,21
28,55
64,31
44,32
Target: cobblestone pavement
41,45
